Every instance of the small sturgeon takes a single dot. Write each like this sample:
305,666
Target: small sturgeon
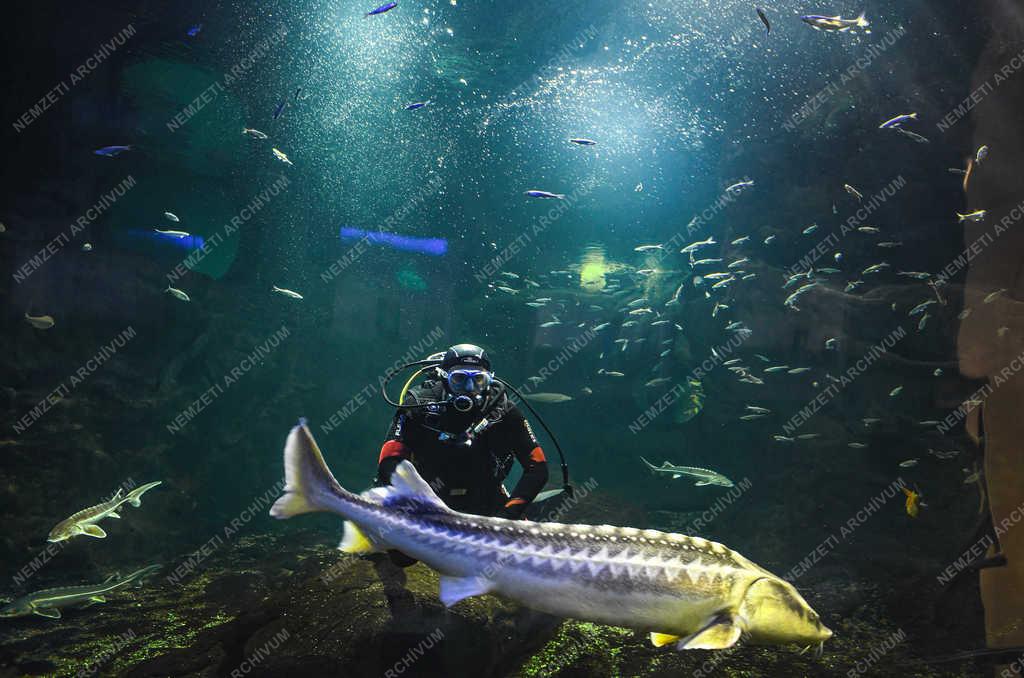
687,590
47,603
704,476
84,522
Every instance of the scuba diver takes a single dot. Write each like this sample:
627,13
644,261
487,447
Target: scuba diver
463,434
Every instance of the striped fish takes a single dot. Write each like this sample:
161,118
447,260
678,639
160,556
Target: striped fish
84,522
48,602
684,590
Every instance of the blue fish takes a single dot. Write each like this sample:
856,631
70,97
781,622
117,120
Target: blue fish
112,151
419,104
194,31
383,8
545,194
280,109
583,142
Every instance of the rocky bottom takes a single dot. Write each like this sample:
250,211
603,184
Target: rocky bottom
289,604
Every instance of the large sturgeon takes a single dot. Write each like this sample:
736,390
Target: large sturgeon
691,591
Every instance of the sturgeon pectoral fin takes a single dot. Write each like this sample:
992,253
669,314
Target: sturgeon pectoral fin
454,589
355,540
662,639
701,483
676,475
49,612
721,632
94,531
113,515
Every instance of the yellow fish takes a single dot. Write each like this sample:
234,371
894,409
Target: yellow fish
913,502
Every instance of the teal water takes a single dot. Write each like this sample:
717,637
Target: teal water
767,147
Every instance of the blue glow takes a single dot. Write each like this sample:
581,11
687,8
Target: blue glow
188,243
432,246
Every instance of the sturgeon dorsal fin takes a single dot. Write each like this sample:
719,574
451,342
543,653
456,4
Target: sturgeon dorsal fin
407,483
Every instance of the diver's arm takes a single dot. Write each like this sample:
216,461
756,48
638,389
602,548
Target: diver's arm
393,450
391,453
531,457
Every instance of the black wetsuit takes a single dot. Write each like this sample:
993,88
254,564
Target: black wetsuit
467,477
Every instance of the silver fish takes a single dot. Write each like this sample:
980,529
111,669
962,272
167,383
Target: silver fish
173,234
84,522
922,306
40,322
548,397
991,296
913,135
975,216
702,475
287,293
693,247
738,187
898,121
690,591
178,294
48,602
834,23
280,155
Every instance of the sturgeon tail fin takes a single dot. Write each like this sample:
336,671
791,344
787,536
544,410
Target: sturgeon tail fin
309,484
135,496
862,22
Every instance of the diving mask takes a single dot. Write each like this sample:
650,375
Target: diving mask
468,380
